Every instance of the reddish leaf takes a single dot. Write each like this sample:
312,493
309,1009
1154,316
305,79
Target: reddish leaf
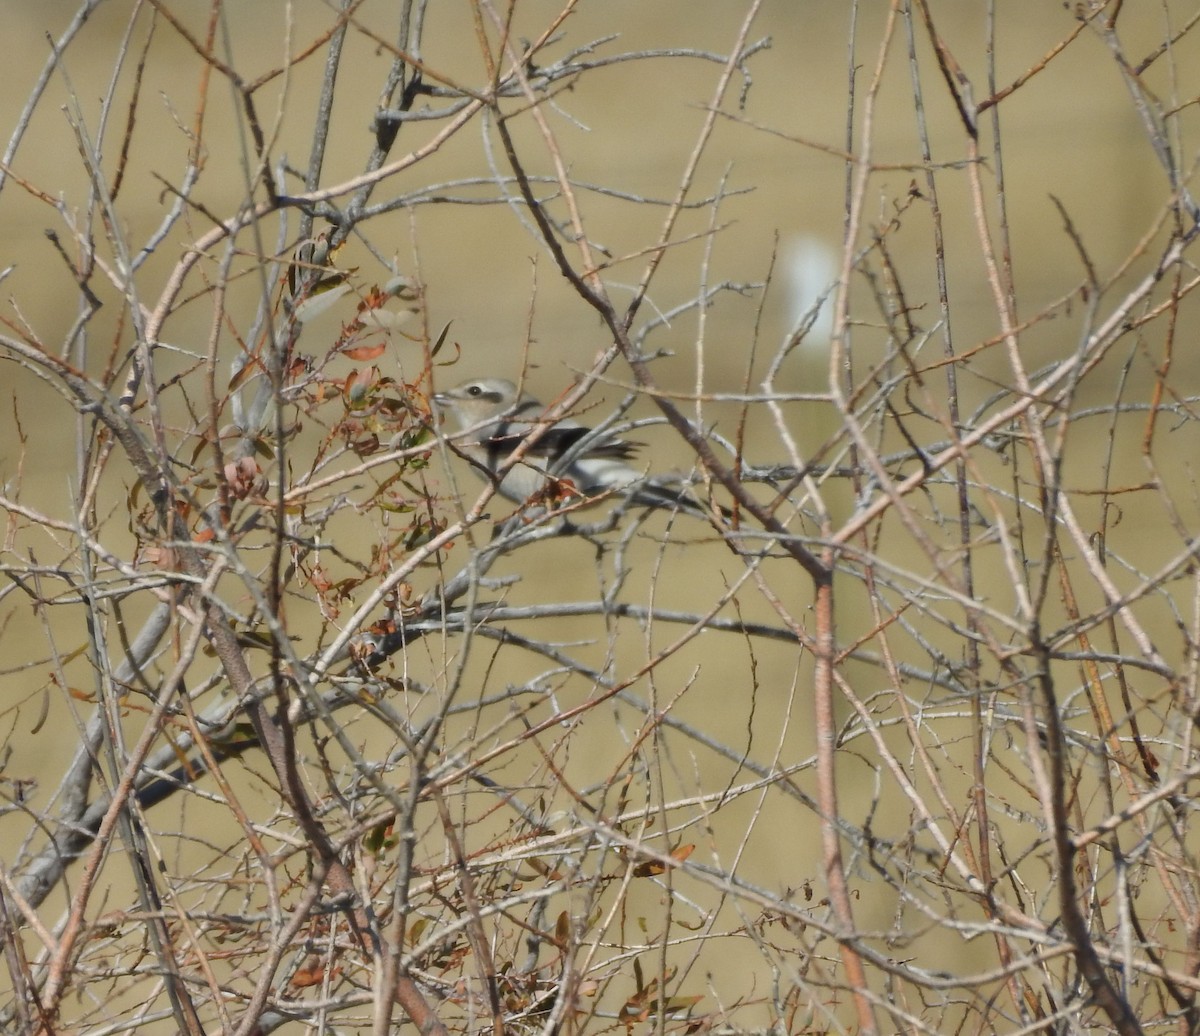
365,352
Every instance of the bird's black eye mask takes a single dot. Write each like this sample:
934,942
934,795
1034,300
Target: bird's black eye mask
479,392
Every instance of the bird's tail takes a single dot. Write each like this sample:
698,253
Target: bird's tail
676,496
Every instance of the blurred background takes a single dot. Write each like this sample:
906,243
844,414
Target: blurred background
1078,171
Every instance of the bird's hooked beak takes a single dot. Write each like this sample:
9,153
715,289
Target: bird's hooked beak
443,406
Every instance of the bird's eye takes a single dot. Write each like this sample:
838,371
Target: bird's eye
474,390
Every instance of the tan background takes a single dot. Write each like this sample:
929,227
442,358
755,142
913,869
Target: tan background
1071,133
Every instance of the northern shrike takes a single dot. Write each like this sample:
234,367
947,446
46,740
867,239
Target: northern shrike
567,460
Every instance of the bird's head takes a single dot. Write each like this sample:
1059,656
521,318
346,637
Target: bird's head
477,401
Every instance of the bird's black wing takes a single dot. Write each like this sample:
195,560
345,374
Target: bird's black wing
557,442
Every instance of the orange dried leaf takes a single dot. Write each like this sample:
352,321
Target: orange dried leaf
365,352
311,975
244,372
544,870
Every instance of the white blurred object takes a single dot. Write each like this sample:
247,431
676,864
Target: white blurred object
808,270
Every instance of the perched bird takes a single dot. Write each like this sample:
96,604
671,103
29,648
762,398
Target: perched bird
568,460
